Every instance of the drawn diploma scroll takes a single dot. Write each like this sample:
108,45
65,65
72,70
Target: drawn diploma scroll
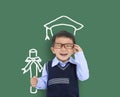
33,61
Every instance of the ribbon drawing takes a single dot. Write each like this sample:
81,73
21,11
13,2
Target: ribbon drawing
33,59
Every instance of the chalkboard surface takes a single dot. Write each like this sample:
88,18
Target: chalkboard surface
22,29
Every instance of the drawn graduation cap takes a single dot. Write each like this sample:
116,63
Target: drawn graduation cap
62,21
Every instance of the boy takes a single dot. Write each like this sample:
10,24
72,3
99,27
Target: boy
60,76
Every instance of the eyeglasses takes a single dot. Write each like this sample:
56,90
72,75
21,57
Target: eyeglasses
66,45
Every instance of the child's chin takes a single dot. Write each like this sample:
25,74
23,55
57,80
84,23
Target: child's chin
64,59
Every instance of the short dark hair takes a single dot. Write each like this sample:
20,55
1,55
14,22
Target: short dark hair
63,34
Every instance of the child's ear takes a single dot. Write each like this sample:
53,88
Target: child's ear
52,49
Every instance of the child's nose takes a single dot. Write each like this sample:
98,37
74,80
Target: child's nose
63,47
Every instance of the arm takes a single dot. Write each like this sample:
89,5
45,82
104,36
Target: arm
82,67
41,82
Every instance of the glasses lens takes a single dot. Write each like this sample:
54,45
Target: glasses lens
69,45
57,45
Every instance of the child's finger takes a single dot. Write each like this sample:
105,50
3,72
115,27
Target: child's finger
77,47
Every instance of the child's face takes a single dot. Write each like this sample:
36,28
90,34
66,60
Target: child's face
63,48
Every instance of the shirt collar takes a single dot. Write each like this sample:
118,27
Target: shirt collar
56,61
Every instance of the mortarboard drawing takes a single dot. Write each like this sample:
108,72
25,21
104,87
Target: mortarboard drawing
33,59
62,21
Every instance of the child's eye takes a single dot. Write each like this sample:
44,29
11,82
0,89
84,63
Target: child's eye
57,45
69,45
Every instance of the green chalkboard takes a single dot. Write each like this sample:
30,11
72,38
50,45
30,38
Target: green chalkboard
22,29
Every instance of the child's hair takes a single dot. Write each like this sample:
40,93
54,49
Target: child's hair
63,34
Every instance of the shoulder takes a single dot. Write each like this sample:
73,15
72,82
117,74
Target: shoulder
48,64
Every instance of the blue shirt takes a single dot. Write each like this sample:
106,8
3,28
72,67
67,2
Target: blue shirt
79,60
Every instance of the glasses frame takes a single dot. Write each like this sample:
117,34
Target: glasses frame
66,45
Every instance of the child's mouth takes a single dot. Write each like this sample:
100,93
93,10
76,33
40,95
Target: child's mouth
63,54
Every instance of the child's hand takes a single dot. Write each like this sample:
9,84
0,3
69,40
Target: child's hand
77,48
34,81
